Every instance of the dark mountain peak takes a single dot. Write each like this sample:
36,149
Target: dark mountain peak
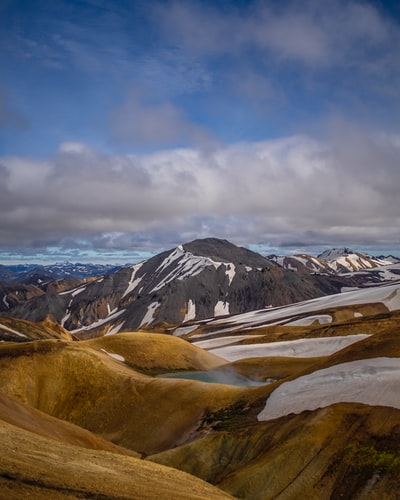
335,253
224,251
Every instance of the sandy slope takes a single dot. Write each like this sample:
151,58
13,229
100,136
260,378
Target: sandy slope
35,467
90,388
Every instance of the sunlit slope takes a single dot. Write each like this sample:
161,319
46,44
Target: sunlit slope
32,466
90,388
30,419
19,330
153,352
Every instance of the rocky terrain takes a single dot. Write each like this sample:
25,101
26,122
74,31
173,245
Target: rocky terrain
344,262
202,279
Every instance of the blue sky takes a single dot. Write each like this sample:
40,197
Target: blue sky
129,127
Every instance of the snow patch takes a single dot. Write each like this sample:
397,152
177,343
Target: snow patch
65,319
230,271
190,311
184,330
224,341
389,295
74,291
149,316
5,302
221,308
302,348
133,282
188,265
309,320
369,381
118,357
114,329
11,330
100,321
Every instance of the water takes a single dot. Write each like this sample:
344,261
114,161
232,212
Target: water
216,377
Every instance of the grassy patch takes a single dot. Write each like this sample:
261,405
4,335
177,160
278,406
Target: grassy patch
227,418
369,458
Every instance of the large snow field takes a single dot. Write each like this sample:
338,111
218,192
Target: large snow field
389,295
302,348
373,381
223,341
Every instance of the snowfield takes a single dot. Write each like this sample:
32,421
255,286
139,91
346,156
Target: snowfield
228,340
188,264
370,381
389,295
303,348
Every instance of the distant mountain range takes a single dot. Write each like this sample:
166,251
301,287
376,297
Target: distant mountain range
342,261
39,274
198,280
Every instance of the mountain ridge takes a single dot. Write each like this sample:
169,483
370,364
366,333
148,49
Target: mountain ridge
173,287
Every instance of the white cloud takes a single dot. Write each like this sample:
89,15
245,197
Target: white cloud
294,190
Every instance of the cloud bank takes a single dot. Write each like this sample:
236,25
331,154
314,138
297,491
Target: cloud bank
285,192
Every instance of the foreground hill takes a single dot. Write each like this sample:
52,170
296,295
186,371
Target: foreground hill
36,467
201,279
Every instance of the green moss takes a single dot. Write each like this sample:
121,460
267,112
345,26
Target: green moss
368,457
227,418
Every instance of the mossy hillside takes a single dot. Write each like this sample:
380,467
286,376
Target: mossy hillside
299,456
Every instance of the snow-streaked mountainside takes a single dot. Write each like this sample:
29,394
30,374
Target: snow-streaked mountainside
341,261
201,279
325,310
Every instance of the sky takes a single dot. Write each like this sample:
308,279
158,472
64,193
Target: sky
129,127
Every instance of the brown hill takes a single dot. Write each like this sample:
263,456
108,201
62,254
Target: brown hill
35,467
19,330
345,450
154,353
90,388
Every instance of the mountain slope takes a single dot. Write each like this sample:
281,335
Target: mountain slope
343,451
199,280
36,467
345,262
